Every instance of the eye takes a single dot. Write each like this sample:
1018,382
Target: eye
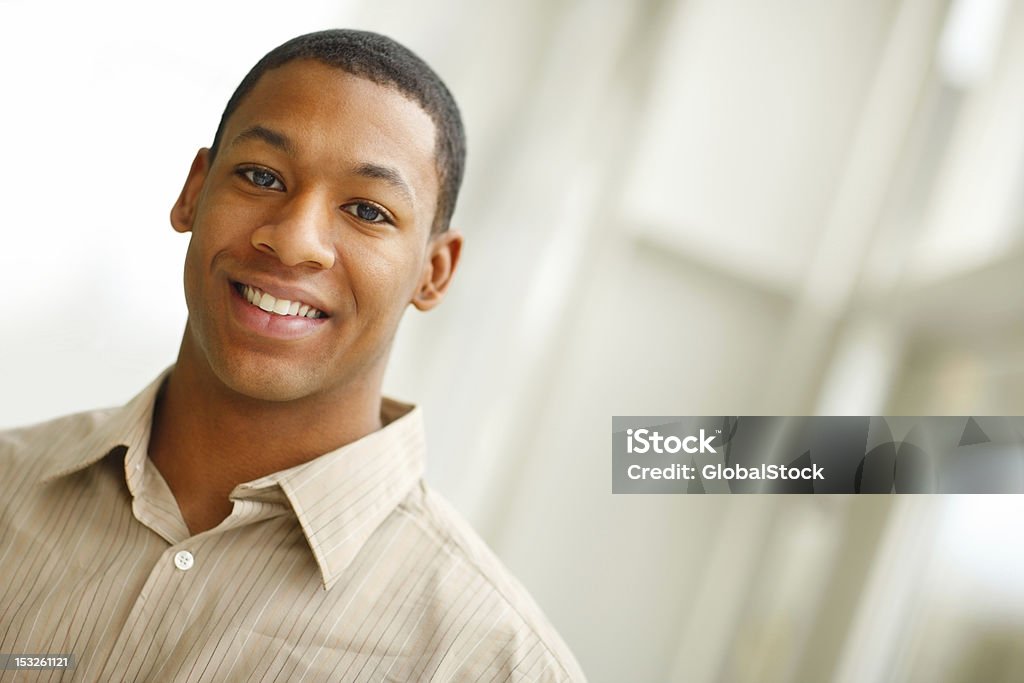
261,177
371,213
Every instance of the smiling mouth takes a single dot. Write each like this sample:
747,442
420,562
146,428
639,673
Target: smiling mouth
270,304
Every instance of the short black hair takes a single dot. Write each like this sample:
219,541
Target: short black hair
385,62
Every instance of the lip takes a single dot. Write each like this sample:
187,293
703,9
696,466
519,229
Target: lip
256,320
282,291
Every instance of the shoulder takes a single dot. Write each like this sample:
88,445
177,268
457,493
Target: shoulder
513,637
45,444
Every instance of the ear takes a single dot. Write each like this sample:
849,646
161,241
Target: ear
183,213
442,258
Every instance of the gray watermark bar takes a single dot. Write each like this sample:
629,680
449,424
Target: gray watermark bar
858,454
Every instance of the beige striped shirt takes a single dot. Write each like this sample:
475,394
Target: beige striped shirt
345,568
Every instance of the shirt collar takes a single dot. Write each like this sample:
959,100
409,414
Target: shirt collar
124,427
339,498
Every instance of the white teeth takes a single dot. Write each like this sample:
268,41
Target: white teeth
271,304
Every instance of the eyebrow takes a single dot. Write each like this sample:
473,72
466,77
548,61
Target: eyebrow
387,174
271,137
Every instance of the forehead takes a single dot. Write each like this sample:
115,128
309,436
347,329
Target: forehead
332,117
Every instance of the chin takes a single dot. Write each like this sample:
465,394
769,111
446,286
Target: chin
269,383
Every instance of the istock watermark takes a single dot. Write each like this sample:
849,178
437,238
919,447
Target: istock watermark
855,454
647,440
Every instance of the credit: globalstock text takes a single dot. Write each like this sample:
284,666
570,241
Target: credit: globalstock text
641,441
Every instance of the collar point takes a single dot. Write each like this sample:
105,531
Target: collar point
329,581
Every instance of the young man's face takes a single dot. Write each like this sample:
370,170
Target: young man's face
320,202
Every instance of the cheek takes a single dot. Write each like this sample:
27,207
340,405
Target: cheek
190,271
383,280
215,233
206,244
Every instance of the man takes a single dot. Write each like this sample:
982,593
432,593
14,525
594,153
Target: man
257,513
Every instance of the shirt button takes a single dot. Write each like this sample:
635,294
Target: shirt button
183,560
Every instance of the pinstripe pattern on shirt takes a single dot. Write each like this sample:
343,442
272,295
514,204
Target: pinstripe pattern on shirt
345,568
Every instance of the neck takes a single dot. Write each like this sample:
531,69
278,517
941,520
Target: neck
207,438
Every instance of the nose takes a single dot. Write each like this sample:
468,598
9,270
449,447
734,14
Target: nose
299,233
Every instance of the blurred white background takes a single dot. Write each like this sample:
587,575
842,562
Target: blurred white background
672,207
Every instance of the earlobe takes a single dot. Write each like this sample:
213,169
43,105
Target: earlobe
183,212
445,249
